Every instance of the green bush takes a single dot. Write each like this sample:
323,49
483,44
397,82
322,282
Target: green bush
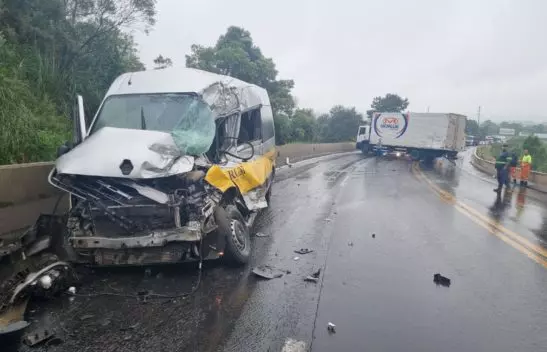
31,127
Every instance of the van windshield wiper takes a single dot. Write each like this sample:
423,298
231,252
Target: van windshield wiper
143,120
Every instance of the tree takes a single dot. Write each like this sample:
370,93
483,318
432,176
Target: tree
340,124
303,126
236,55
488,127
53,49
388,103
472,127
162,62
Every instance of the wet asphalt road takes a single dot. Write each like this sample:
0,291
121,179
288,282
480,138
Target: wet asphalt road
379,291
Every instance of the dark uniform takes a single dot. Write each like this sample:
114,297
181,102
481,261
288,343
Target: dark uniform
502,169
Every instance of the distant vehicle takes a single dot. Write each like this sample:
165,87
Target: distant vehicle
471,141
425,136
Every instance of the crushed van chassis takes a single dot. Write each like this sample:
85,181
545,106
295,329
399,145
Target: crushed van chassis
140,196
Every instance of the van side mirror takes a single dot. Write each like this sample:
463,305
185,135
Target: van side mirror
63,149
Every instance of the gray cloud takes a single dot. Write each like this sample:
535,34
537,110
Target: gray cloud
449,55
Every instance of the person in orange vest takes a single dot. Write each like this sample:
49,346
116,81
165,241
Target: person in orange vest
525,168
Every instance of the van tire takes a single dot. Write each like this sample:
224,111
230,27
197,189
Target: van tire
233,227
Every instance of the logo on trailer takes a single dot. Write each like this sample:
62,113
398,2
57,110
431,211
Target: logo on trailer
390,124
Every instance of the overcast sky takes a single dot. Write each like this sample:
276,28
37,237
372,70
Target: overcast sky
450,55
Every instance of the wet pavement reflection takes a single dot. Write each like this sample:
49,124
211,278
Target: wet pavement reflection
378,234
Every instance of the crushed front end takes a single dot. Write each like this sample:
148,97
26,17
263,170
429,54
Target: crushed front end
117,221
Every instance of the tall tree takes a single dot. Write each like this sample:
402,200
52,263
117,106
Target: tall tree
162,62
340,124
388,103
471,127
52,49
236,55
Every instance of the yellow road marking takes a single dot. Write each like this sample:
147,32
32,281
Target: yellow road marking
531,250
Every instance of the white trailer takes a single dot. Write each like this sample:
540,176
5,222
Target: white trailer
423,135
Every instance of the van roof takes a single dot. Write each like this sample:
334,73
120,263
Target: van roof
184,80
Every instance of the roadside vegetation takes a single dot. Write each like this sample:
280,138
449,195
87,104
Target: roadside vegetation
537,149
52,50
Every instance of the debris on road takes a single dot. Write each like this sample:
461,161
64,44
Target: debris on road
373,235
350,244
331,327
38,336
72,290
296,258
303,251
288,162
441,280
261,234
86,317
267,272
317,273
314,277
328,220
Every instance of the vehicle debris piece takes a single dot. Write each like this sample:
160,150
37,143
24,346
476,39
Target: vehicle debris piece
317,273
296,258
311,279
441,280
267,272
72,290
331,327
261,234
86,317
38,336
303,251
373,235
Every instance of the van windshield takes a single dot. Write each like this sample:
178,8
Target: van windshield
186,117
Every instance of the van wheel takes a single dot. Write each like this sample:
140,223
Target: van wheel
232,226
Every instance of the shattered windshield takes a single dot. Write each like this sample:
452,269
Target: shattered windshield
186,117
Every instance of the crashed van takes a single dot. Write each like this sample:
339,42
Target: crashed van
174,166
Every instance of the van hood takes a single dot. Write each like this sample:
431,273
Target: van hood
126,153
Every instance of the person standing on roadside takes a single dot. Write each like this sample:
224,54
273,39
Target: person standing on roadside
513,166
502,168
525,168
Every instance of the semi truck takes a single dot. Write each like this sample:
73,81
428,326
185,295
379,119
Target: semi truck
425,136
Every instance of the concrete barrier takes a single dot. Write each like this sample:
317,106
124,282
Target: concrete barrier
538,180
25,192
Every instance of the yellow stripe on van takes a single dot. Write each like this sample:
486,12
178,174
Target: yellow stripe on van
245,176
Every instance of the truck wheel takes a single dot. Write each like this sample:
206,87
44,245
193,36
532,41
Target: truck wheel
232,226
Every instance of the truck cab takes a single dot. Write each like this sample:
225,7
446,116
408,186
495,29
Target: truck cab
363,138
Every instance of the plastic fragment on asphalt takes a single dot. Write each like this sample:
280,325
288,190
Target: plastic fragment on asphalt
303,251
294,346
86,317
72,290
37,336
296,258
331,327
311,279
441,280
267,272
317,273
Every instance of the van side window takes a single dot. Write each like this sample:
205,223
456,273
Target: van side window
251,126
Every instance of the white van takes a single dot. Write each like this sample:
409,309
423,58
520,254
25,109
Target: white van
173,167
